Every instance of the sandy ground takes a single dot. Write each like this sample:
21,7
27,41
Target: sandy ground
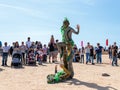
87,77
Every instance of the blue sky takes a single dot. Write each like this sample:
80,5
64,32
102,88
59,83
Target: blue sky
39,19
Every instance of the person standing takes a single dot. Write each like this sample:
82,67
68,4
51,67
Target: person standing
99,53
11,48
110,53
114,55
116,50
92,55
51,49
28,43
87,51
82,52
45,53
5,54
23,49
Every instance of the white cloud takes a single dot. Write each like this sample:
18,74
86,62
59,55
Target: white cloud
30,12
14,7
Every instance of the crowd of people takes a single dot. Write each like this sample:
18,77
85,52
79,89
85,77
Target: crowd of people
50,51
30,49
94,54
114,53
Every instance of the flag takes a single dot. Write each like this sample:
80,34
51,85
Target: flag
106,42
81,43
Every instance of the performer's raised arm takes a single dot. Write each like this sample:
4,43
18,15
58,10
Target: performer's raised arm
78,29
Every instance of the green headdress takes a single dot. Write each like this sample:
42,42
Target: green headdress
66,20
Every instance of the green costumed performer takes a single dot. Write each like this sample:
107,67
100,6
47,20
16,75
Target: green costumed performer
65,47
67,53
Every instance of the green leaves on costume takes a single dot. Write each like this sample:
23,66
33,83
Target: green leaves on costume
62,32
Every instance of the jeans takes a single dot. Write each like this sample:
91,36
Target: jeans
110,55
87,57
4,59
92,59
99,57
114,61
39,61
74,59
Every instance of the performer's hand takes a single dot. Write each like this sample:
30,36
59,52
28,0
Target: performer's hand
78,27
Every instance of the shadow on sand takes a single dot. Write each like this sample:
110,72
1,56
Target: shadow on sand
15,67
89,85
1,69
32,65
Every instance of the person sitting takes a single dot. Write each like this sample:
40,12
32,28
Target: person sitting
39,56
77,56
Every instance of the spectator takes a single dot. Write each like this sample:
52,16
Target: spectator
39,45
51,49
23,49
39,56
87,51
11,48
28,43
16,47
82,52
110,53
5,54
92,54
114,55
116,50
45,53
99,53
77,56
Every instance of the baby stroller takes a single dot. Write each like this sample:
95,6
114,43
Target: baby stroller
31,57
16,59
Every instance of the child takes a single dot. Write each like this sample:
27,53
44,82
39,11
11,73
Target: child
39,56
31,54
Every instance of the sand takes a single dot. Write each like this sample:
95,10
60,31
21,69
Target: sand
87,77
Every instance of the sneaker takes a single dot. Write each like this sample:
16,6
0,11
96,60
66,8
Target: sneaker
86,62
6,65
40,63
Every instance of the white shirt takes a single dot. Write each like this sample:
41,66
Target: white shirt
28,44
45,51
87,50
40,52
6,49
